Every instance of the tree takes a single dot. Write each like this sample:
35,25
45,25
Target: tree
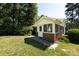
72,15
72,11
15,16
31,14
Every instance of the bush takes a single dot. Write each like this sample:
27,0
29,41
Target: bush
27,30
73,31
64,39
17,31
73,35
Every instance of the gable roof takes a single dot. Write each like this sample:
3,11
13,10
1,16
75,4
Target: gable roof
46,20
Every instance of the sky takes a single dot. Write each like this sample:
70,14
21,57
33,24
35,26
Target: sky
56,10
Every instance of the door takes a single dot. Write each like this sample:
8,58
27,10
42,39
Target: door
34,32
40,33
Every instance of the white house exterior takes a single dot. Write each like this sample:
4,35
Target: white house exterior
49,27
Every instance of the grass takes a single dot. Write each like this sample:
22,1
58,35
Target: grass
20,46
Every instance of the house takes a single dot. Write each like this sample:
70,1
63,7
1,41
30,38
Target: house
49,28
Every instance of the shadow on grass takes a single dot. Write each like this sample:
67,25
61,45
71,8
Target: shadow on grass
35,43
74,41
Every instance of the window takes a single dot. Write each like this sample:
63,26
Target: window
56,28
40,28
61,27
45,28
49,27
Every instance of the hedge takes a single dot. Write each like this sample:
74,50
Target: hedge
73,35
64,39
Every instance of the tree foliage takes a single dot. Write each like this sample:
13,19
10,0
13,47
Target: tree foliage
15,16
72,15
72,11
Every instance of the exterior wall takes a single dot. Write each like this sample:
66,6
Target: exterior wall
43,21
62,30
52,37
37,28
53,28
40,33
63,24
49,36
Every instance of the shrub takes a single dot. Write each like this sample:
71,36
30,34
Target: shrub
27,30
73,31
64,39
73,35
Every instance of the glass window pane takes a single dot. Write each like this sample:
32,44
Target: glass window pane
49,27
45,28
56,28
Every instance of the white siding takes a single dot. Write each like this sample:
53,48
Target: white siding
42,22
53,27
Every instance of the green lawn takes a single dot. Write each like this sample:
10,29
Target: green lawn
20,46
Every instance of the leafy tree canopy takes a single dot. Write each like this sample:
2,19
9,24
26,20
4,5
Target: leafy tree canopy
15,16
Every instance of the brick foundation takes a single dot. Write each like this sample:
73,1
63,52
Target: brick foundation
52,37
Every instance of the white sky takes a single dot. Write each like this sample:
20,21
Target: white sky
56,10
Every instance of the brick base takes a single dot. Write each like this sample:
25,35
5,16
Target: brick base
52,37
